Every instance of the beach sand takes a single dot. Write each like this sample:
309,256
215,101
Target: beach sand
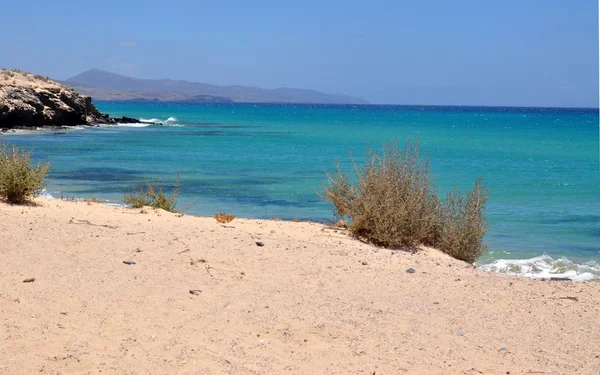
310,301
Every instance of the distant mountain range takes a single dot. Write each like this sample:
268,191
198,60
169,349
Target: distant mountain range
102,85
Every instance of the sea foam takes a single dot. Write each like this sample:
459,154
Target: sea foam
171,121
545,267
46,195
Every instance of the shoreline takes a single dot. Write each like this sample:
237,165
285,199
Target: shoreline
204,297
62,129
541,267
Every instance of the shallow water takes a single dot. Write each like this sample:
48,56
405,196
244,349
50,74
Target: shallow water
263,160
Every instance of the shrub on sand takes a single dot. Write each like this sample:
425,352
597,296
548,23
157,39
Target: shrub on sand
224,218
152,194
392,201
464,224
20,180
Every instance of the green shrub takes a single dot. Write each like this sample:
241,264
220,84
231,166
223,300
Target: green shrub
151,194
464,224
20,180
392,201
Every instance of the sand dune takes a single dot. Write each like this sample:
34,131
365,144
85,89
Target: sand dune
310,301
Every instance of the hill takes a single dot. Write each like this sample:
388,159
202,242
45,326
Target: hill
102,85
31,100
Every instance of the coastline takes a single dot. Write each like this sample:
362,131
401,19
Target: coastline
541,267
311,300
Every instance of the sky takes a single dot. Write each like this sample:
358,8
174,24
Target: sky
433,52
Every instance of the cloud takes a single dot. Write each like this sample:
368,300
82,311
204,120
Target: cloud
127,44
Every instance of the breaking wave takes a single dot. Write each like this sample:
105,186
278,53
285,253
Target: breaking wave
171,121
545,267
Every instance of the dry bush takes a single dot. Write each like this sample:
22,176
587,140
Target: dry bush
224,218
20,180
152,194
392,201
464,224
40,77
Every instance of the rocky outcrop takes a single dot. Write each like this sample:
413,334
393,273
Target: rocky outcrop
28,100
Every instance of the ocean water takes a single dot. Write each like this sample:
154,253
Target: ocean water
268,160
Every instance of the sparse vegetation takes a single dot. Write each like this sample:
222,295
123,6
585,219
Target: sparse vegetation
42,78
463,223
20,180
224,218
151,193
392,202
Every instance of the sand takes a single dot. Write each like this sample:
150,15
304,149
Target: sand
310,301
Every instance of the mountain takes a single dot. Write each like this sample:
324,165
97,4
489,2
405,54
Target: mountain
102,85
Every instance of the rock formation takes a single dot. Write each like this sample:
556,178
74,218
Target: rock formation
28,100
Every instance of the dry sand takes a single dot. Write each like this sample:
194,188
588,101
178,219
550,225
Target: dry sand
310,301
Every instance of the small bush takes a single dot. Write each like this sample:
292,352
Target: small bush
464,224
151,194
20,180
392,201
224,218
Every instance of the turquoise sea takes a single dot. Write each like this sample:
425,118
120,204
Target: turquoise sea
268,160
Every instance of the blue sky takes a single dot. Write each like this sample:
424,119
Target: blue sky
464,52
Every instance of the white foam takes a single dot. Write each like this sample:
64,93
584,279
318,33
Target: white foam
151,120
134,125
545,267
168,122
44,194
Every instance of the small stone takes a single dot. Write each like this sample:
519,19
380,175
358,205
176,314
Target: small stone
503,349
460,334
364,263
421,348
305,340
410,270
129,261
30,280
260,244
195,291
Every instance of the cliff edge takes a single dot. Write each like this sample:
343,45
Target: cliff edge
31,100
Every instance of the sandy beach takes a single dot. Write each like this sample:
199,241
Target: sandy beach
204,298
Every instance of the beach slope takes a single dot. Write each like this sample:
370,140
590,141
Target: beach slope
204,298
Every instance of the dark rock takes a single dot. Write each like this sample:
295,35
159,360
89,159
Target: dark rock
260,244
28,101
560,279
126,120
195,291
410,270
30,280
129,261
